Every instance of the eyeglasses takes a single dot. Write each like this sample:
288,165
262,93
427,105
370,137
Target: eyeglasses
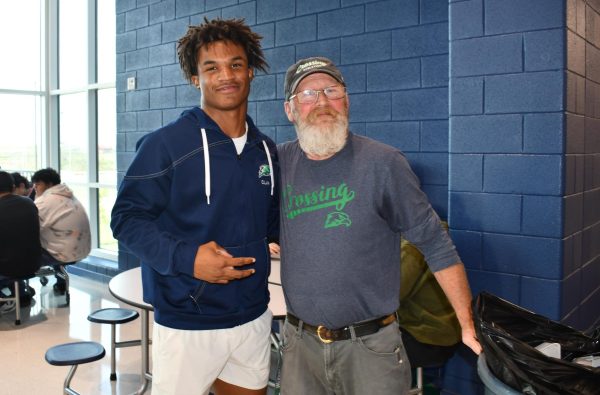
310,96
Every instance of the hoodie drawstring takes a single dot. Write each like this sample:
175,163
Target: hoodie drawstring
206,166
270,166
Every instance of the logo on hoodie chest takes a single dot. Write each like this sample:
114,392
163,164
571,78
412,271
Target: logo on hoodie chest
264,171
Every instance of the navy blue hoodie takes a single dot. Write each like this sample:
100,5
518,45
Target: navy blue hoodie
166,208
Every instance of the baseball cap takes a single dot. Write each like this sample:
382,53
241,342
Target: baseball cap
305,67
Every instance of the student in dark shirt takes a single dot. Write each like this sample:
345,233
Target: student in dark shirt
19,234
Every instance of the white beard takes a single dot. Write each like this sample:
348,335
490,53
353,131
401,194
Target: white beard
322,141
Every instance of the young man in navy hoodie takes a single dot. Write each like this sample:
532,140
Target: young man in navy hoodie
198,206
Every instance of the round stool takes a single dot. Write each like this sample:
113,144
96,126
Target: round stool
74,354
114,316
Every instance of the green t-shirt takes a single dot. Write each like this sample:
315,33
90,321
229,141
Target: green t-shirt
424,311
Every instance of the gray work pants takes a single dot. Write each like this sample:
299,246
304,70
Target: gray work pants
373,364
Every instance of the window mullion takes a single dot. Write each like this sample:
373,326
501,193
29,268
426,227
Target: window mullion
50,154
92,123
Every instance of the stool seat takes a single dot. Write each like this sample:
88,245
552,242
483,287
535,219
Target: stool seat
74,353
113,316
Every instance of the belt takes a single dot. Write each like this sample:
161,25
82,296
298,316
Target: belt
327,335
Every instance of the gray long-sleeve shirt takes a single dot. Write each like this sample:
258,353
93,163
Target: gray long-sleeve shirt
341,221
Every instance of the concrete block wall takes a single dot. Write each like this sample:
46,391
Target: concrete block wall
394,55
523,191
581,228
506,146
495,103
523,155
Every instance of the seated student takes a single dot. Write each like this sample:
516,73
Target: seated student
64,225
430,329
22,186
19,239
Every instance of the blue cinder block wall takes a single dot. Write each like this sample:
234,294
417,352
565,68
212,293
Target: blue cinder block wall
496,103
394,55
524,157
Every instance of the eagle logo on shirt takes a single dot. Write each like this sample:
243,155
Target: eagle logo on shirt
337,218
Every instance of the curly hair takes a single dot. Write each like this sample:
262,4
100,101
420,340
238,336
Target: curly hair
47,176
19,179
234,30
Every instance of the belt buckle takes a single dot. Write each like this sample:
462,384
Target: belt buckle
319,328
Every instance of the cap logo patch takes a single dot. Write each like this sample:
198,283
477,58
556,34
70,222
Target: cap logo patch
313,64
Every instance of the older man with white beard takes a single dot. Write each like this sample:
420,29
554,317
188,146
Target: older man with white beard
346,201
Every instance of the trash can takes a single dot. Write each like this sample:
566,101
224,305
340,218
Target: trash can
493,386
517,344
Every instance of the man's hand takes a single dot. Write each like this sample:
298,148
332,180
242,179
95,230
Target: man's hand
215,265
470,340
274,249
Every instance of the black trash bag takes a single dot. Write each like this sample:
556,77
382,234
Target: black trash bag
509,334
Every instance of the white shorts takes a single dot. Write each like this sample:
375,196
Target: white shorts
189,361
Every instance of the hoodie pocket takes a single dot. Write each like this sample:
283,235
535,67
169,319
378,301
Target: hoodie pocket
218,299
215,299
197,293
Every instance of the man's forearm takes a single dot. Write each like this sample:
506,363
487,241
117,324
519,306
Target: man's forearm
453,281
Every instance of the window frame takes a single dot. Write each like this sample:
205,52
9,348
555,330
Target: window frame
53,94
47,138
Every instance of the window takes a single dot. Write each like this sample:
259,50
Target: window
107,165
21,83
20,128
73,50
86,110
59,105
21,24
74,153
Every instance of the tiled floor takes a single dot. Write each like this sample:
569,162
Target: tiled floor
47,322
